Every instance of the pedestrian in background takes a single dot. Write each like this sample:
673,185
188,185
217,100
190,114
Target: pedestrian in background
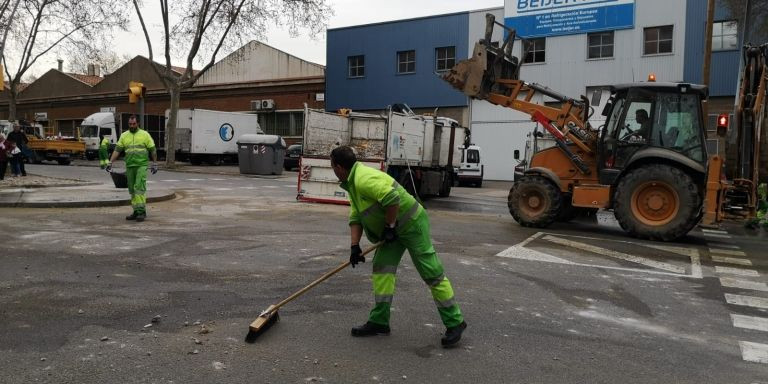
20,139
15,157
4,156
138,147
103,151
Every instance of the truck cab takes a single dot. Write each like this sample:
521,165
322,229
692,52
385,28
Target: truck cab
95,125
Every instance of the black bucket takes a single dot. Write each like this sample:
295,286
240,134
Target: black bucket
120,180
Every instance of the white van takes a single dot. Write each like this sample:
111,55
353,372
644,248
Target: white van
471,168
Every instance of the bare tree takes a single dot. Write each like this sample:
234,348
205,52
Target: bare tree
107,59
203,28
41,26
757,17
7,13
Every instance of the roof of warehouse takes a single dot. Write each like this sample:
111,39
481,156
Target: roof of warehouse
87,79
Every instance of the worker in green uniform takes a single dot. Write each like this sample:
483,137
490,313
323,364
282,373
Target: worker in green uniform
103,151
382,209
138,146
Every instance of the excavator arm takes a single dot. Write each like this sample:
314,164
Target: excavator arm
493,74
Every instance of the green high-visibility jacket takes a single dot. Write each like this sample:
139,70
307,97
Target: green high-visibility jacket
104,149
137,147
370,192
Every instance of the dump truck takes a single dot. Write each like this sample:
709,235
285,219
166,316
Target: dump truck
42,148
419,152
95,125
648,162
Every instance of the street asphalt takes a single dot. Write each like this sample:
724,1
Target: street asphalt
87,297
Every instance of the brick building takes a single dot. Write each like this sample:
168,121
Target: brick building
256,78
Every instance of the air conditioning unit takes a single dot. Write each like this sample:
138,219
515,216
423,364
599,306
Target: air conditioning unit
255,105
268,104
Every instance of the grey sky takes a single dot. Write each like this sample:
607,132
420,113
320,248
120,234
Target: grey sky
347,13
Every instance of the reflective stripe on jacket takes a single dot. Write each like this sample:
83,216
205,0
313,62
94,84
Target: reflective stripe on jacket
136,146
370,192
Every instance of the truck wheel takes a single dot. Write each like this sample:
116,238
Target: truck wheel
479,184
657,202
195,160
63,161
534,201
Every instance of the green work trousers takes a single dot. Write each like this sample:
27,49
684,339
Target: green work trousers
416,239
137,187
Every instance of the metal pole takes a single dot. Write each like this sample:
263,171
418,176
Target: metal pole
141,113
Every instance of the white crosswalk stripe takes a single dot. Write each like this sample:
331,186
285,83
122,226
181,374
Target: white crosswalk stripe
731,260
736,271
750,322
726,252
743,284
754,352
717,235
747,301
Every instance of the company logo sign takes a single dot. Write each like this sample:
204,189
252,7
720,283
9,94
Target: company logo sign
541,18
226,132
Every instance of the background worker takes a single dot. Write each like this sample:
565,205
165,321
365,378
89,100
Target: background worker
138,146
382,209
21,140
103,151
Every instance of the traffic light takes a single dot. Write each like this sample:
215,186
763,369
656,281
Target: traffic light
722,124
136,91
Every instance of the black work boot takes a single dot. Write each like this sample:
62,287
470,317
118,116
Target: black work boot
140,217
453,335
370,329
132,216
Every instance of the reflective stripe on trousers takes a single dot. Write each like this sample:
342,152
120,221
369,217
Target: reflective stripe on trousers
137,187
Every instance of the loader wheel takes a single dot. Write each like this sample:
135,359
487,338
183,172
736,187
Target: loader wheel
657,202
534,201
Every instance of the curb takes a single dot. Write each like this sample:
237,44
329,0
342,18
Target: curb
85,204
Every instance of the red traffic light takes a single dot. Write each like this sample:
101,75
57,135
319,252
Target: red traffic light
722,120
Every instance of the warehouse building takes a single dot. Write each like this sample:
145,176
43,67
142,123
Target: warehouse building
575,48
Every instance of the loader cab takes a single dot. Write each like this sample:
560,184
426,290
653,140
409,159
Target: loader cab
652,120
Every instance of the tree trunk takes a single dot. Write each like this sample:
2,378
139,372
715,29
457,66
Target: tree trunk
13,95
170,126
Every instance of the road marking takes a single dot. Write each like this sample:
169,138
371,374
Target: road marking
290,186
248,187
743,284
736,271
169,180
271,186
195,179
750,322
717,235
747,301
218,179
688,252
754,352
724,245
520,251
730,260
617,255
222,189
727,252
714,231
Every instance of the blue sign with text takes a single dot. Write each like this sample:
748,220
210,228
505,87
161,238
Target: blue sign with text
541,18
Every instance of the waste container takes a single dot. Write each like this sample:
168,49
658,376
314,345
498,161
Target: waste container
120,179
261,154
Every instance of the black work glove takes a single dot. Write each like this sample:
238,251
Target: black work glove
356,255
389,234
109,167
153,168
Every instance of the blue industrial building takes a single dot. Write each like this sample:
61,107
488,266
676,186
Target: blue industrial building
372,66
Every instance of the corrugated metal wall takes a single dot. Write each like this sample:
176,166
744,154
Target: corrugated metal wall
257,61
379,43
724,68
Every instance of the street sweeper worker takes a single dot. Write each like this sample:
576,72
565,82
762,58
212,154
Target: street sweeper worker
383,209
103,151
138,147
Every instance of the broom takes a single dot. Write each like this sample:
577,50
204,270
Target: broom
270,316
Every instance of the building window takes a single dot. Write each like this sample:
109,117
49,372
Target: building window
446,58
535,50
713,146
600,45
356,66
725,35
406,62
283,123
657,40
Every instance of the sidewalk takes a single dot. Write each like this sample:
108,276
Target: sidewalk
227,170
48,192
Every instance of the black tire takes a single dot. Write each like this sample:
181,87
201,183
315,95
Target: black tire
670,189
90,156
567,211
534,201
195,160
64,161
479,184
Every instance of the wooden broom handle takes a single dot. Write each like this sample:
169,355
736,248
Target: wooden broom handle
320,279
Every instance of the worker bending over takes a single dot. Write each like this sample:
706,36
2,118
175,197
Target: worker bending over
382,209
